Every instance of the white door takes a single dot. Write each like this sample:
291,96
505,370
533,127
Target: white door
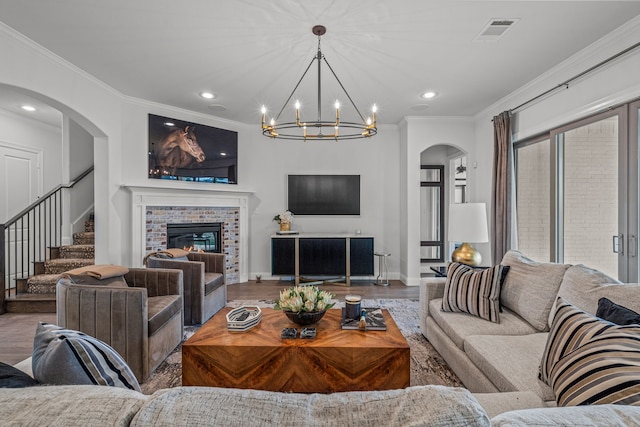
20,179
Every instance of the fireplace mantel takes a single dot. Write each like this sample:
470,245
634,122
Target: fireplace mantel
144,196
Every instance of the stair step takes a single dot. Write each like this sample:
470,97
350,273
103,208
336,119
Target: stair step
77,251
89,225
84,238
31,303
42,284
60,265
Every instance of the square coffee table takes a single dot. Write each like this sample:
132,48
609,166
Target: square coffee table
336,360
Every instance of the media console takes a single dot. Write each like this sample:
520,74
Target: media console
322,254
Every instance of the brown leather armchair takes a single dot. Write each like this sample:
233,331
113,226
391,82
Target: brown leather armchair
205,287
143,322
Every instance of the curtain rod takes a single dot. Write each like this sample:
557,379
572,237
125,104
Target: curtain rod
565,84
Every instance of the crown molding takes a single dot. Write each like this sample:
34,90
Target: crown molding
10,33
601,49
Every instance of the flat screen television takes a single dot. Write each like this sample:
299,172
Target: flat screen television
324,194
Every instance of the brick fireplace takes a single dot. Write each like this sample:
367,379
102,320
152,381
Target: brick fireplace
153,208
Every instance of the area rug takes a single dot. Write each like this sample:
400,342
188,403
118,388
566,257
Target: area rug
427,366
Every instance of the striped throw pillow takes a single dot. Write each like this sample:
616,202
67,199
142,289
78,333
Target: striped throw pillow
65,356
473,291
598,362
570,329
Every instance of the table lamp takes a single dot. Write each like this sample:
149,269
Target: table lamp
467,223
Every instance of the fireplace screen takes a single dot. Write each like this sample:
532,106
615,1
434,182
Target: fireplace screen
204,237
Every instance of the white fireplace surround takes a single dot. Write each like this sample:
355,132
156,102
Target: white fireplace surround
145,196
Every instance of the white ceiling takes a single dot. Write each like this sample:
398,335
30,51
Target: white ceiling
252,52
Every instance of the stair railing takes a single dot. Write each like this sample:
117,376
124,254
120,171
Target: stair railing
26,237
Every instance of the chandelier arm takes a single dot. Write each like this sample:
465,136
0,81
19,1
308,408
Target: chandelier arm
295,88
345,90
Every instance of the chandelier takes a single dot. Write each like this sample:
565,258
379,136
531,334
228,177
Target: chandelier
319,129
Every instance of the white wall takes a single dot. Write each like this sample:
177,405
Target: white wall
93,105
263,166
613,84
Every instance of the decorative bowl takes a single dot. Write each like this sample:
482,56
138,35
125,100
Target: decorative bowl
305,318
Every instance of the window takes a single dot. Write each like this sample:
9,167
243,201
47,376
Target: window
573,198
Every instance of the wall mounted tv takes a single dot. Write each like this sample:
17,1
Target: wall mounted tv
324,194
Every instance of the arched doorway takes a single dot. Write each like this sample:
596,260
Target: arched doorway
442,181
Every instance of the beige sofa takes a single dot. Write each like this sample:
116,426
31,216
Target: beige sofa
505,357
434,406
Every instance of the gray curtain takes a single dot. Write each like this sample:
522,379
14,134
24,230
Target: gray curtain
501,197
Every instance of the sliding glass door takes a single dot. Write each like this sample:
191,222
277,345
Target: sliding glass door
591,192
577,193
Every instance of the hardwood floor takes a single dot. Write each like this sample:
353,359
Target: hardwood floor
18,329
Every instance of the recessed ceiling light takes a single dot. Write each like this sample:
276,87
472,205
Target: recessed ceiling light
428,95
28,108
207,95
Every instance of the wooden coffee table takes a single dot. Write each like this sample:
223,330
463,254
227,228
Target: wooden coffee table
336,360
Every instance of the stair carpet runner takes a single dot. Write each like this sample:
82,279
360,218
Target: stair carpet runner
80,254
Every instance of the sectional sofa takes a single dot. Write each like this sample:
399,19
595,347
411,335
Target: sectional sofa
434,406
505,357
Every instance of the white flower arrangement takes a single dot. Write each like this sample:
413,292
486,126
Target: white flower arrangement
304,299
284,218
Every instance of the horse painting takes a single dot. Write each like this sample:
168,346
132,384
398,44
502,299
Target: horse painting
178,149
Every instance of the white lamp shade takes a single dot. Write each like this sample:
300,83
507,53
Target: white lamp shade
468,223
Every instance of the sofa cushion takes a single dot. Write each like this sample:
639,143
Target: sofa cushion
583,287
11,377
615,313
582,416
65,356
476,292
414,406
530,288
458,326
510,362
212,281
69,406
161,309
596,361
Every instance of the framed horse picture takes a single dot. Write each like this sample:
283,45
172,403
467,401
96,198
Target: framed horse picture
185,151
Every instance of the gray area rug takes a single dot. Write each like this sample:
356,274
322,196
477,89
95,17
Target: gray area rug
427,366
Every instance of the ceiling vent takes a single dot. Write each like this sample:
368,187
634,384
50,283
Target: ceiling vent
495,29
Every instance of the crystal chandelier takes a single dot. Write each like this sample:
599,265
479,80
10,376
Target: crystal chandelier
319,129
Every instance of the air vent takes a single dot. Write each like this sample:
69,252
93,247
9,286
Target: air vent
495,29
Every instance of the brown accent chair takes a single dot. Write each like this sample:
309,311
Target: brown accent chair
142,322
205,283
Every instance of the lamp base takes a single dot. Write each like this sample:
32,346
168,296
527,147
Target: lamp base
466,254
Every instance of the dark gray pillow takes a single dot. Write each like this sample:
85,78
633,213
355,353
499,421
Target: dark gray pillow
11,377
618,314
65,356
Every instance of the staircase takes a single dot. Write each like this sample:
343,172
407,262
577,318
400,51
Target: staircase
37,293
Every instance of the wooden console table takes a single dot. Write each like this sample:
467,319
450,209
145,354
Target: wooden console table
322,254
